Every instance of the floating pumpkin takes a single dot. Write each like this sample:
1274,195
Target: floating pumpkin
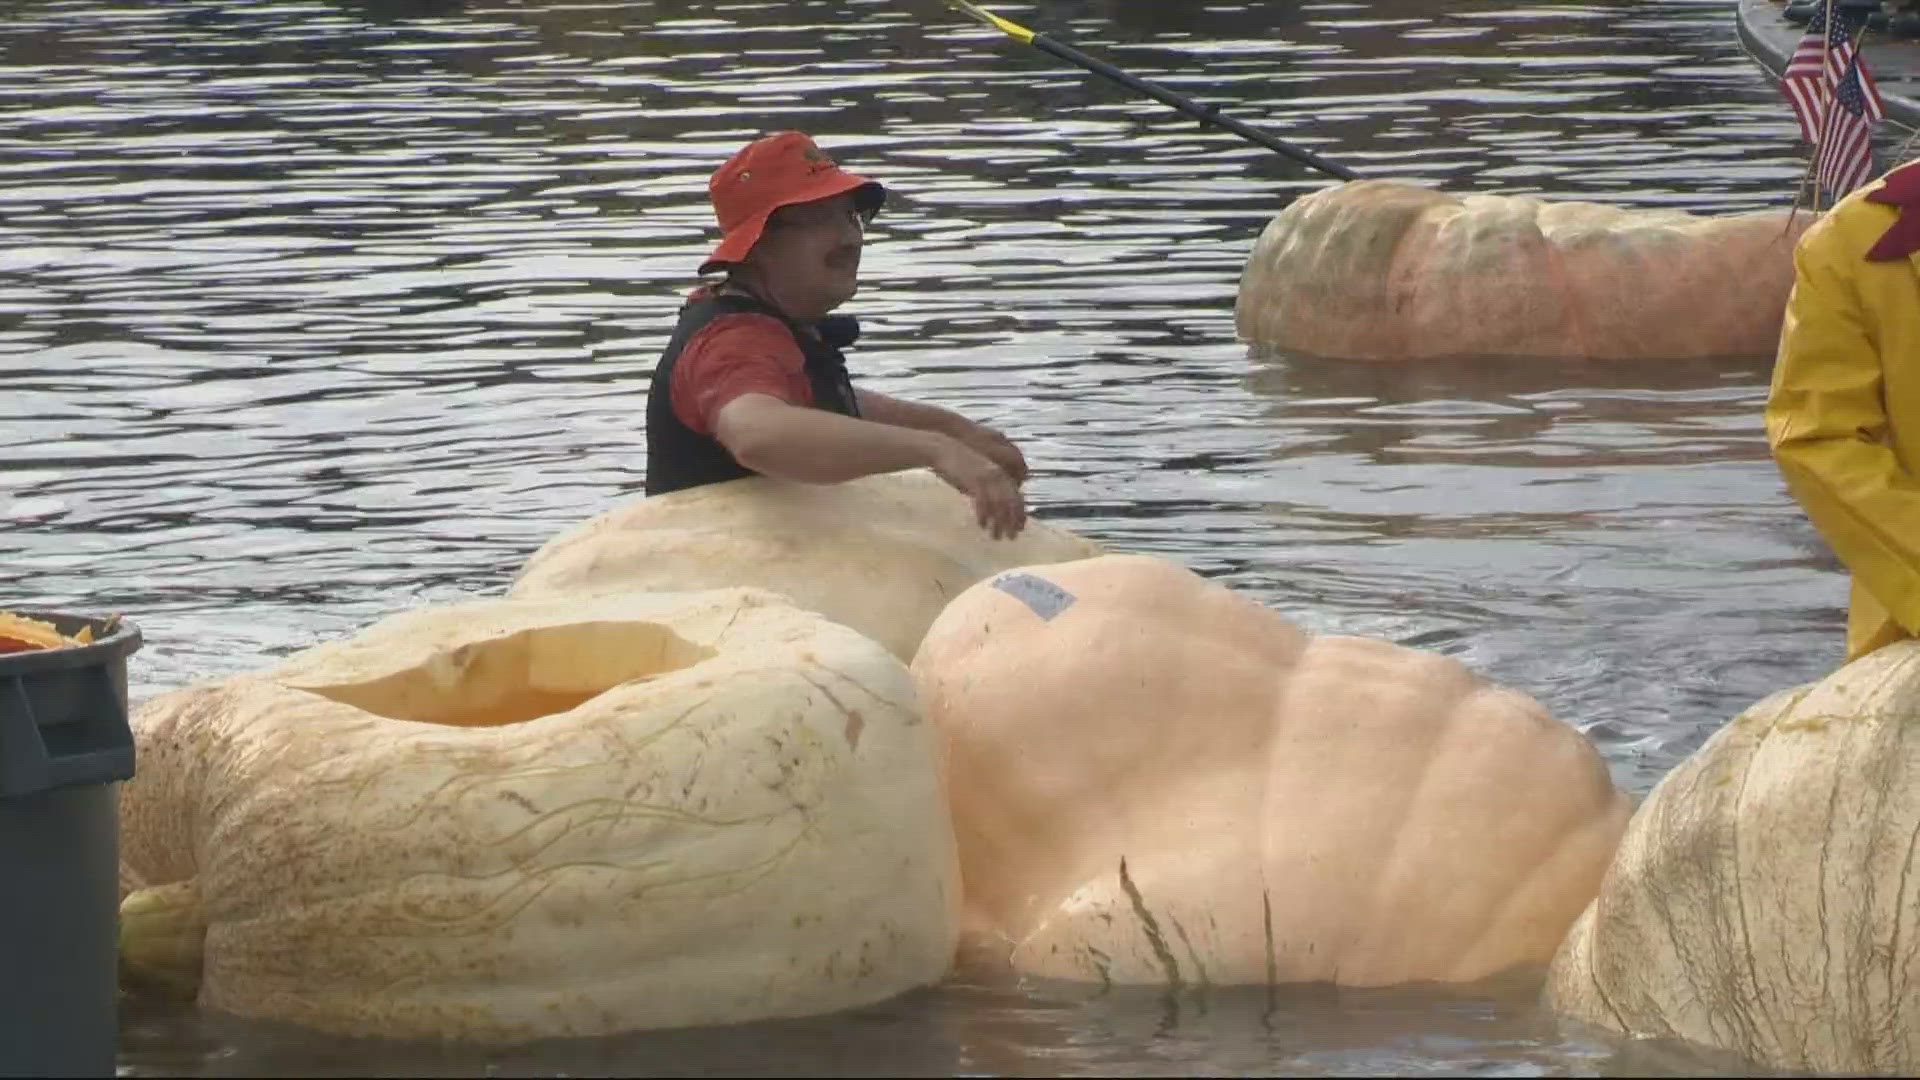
1765,899
1381,270
1158,780
882,554
508,820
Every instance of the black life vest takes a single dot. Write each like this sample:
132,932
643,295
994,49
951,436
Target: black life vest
679,457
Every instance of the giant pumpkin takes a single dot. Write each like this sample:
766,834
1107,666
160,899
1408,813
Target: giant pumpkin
1158,780
509,820
1766,898
1381,270
881,554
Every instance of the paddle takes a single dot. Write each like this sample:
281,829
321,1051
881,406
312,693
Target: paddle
1206,114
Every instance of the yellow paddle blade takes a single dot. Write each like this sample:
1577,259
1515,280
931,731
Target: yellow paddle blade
1005,26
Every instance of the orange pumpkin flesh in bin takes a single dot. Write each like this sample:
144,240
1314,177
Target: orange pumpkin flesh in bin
21,634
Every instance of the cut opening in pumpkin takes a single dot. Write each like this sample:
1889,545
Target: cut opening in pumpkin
521,676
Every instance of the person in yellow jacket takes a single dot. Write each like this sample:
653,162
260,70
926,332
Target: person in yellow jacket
1843,415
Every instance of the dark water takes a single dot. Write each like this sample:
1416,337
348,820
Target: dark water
314,311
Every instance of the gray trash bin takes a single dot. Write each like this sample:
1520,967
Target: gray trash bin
64,741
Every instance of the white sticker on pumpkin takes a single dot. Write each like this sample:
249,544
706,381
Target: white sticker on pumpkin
1043,596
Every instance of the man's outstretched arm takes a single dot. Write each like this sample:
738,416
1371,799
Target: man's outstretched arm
886,409
793,442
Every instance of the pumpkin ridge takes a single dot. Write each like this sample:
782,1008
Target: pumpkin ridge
1606,999
1826,849
1384,868
1740,891
1573,838
1576,322
1402,287
1901,909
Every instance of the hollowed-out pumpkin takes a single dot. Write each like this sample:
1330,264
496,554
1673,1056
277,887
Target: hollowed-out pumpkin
509,820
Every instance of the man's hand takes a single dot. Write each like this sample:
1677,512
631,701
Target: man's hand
997,503
996,448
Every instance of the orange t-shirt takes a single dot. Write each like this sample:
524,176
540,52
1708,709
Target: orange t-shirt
743,353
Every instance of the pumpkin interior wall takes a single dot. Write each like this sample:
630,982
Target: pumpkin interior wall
523,676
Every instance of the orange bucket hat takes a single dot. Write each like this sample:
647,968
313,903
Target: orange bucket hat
767,174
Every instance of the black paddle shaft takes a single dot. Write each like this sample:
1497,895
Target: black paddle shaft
1206,114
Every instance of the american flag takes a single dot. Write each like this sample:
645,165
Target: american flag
1834,99
1845,148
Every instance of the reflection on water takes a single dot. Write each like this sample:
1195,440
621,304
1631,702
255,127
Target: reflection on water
315,310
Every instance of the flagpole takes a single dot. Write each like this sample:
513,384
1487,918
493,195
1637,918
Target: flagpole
1826,120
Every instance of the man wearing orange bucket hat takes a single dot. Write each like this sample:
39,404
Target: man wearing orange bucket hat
754,381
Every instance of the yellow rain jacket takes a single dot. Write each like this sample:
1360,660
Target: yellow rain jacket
1843,416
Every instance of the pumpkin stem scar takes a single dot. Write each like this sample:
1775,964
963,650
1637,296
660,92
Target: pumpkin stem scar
1152,929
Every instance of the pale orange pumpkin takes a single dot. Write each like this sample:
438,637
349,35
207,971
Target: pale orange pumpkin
1155,779
1381,270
